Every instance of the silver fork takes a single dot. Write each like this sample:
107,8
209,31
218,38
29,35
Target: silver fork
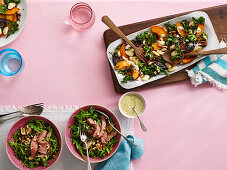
31,109
115,128
83,138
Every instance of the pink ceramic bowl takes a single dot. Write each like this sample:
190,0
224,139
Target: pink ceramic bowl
71,120
23,122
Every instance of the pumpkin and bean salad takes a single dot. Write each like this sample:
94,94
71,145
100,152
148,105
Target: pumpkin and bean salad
9,17
186,36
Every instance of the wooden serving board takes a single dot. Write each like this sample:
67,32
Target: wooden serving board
218,16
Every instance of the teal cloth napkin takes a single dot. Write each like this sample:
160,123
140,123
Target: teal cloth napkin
125,153
212,69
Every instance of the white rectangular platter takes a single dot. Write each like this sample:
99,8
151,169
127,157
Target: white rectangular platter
213,43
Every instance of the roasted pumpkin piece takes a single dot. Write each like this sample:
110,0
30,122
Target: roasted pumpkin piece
121,65
180,29
135,74
155,46
188,60
200,29
11,11
11,17
159,30
122,50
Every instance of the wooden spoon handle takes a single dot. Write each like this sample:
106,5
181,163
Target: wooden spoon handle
217,51
106,20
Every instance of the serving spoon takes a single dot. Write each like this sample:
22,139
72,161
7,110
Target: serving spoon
143,126
167,55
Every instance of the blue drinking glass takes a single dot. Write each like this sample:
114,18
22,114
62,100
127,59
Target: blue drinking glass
11,62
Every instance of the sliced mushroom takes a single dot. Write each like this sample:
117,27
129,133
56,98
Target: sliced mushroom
23,131
28,130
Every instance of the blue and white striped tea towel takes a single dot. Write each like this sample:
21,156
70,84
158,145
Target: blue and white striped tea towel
212,69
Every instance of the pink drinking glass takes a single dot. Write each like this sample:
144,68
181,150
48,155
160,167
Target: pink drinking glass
82,17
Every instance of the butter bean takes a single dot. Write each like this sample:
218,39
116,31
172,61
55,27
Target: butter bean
172,69
168,65
155,53
145,77
11,5
160,52
5,30
164,49
129,53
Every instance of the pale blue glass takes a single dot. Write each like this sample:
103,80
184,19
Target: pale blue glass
11,62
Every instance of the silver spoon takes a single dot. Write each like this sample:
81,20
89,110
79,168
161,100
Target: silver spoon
141,122
35,109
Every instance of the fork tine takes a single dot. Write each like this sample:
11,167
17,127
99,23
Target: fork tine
36,109
144,58
39,104
141,58
224,39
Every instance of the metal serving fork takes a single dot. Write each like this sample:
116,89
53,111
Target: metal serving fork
34,109
107,117
138,50
83,138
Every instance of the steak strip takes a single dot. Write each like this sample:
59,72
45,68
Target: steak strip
103,128
95,125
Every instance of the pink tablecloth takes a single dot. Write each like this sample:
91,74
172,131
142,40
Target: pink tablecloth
187,125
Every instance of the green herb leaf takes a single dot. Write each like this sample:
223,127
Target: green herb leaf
127,78
13,28
3,8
